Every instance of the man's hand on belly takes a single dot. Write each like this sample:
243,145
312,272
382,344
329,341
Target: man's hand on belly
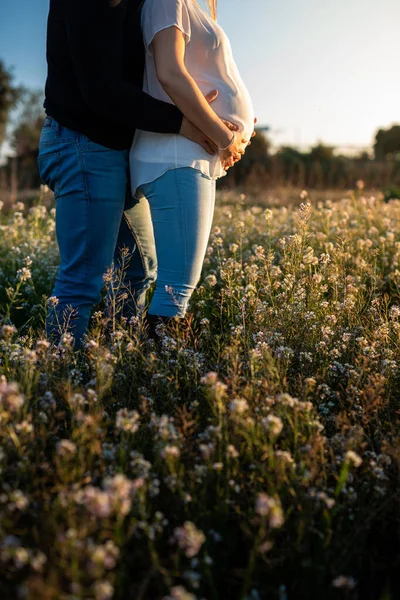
191,132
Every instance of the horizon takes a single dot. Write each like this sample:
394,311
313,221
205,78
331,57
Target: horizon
316,72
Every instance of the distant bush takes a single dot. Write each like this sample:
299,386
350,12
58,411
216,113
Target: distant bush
393,193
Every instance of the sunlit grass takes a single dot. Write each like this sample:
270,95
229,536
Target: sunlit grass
253,454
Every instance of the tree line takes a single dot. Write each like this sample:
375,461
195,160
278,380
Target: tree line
320,167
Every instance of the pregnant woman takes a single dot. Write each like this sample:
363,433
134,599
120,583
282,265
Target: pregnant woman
187,55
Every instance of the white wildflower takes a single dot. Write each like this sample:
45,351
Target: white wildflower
344,582
189,538
273,425
238,406
353,458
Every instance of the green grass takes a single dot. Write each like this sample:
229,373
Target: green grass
253,455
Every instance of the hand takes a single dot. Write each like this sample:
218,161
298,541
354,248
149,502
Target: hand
231,162
191,132
234,159
234,152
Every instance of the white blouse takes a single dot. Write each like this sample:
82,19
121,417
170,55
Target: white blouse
209,60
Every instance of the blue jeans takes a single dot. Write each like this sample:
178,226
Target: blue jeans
182,205
90,184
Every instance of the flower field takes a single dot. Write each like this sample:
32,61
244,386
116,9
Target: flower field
252,454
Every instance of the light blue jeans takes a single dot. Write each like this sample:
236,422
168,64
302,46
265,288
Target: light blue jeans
181,204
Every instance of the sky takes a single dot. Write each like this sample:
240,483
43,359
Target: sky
317,70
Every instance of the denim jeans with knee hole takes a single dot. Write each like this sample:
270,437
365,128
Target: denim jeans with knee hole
90,184
182,205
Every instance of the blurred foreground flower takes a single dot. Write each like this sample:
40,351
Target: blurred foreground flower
270,507
343,582
127,420
10,398
353,458
179,593
273,425
189,538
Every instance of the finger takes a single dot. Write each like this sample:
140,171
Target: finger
230,125
253,134
249,144
255,121
211,96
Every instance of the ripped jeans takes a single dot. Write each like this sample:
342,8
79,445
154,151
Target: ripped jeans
182,205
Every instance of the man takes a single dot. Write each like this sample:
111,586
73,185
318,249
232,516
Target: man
94,102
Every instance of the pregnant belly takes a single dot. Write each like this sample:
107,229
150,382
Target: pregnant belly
233,105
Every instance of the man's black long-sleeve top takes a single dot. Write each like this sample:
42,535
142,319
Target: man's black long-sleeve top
95,57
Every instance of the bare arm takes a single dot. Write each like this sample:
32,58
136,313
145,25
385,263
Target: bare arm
169,53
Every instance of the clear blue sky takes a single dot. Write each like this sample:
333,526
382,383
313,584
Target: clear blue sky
317,69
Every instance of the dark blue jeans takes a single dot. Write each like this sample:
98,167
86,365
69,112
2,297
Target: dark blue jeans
91,189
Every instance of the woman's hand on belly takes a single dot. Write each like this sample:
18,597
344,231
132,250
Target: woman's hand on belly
234,152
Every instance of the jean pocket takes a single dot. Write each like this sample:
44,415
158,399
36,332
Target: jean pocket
49,170
50,133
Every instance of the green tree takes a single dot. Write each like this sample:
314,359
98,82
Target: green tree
26,133
322,153
387,142
291,165
8,97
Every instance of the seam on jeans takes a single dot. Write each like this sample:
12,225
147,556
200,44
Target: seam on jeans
56,141
212,212
57,186
87,195
176,151
139,246
184,232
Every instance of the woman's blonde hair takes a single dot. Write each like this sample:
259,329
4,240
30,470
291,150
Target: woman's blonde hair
213,8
